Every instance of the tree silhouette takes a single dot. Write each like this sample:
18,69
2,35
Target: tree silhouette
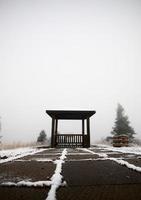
122,124
42,137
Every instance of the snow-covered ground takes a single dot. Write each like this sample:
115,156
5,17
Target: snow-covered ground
57,180
28,183
12,154
136,150
57,177
133,149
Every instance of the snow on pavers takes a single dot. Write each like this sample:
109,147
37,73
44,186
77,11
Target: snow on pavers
57,177
103,155
79,154
14,154
132,150
119,161
82,167
35,173
55,181
28,184
38,157
35,159
127,164
29,174
95,172
99,167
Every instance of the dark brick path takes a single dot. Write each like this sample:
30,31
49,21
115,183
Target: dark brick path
86,177
101,192
98,173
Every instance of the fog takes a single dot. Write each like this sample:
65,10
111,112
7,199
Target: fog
66,54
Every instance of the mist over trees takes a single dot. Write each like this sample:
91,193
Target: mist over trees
122,124
42,138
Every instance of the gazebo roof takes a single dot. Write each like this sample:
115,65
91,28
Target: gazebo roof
70,114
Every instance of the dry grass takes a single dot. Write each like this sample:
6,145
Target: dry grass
14,145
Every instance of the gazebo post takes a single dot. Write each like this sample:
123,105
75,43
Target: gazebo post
83,126
88,132
83,131
56,126
56,131
52,133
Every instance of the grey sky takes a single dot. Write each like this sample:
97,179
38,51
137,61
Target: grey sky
65,54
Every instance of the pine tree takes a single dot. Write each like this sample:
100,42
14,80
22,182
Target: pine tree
42,137
122,124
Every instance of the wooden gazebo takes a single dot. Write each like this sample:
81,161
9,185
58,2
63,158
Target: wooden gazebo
70,140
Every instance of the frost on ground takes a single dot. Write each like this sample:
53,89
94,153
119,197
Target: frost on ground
125,163
13,154
103,155
43,160
119,161
28,184
36,160
133,149
57,177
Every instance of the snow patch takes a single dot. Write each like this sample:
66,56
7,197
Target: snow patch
37,160
27,184
132,150
56,179
43,160
73,154
103,155
18,153
119,161
125,163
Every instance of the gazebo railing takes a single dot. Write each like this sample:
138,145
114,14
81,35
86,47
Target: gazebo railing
69,140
